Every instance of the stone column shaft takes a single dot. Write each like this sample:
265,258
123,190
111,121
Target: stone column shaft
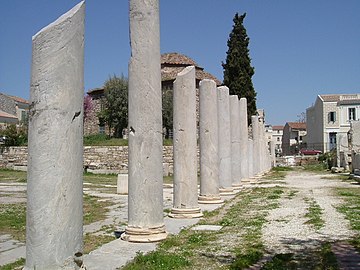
235,141
146,222
244,151
251,158
185,146
256,144
225,179
54,228
209,159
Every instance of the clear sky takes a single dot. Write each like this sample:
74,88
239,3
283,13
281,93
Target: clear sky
299,48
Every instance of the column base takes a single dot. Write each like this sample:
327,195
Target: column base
226,191
185,213
144,235
210,199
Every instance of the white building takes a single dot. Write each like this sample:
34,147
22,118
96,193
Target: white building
277,133
330,118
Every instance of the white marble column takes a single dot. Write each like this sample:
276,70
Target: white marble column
209,140
54,216
272,154
146,216
185,146
225,179
235,141
256,144
251,158
244,151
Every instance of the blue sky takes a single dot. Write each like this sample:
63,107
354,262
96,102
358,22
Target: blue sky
299,48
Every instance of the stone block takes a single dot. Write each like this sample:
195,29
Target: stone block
122,184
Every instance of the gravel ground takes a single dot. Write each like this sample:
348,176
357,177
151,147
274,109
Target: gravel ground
286,230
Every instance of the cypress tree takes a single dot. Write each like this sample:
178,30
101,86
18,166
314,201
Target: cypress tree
237,68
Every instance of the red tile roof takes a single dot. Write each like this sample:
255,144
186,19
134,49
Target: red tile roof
7,115
19,99
277,127
297,125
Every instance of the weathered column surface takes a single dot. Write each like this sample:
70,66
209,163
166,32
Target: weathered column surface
235,141
54,229
225,180
185,146
146,222
256,144
251,158
209,159
272,154
244,151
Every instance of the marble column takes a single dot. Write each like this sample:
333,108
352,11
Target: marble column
54,228
256,144
235,141
146,216
272,154
209,140
251,158
244,151
185,146
225,180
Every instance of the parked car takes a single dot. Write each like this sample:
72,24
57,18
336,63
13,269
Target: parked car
310,152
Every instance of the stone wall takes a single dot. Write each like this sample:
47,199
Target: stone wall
97,159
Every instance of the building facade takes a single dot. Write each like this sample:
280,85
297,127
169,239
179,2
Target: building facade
329,119
277,134
13,110
293,139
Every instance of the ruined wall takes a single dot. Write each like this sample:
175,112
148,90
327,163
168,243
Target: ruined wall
97,159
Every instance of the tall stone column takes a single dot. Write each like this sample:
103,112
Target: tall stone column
225,180
54,228
235,141
256,144
185,146
146,220
209,140
244,151
272,154
251,158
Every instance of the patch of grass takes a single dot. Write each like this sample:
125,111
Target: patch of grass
275,194
7,175
13,220
244,260
94,210
292,194
277,173
321,167
103,140
282,261
100,179
157,260
314,214
327,257
17,265
351,209
168,179
93,241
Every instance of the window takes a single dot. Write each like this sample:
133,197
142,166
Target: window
332,116
278,139
352,115
101,129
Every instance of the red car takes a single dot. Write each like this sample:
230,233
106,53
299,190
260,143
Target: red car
310,152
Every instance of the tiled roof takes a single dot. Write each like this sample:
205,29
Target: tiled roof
277,127
174,63
19,99
297,125
349,102
177,59
7,115
339,97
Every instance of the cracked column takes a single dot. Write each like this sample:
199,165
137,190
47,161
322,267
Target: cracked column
185,146
244,150
235,141
209,159
54,216
146,216
225,180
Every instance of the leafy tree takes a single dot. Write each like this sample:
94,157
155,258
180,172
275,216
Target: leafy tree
167,110
15,136
237,68
115,110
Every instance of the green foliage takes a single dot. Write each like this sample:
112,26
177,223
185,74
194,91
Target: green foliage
328,159
15,136
157,260
104,140
244,260
12,220
17,265
314,214
115,109
167,110
237,68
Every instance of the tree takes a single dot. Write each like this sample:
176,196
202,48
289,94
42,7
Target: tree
167,110
15,136
115,110
237,68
